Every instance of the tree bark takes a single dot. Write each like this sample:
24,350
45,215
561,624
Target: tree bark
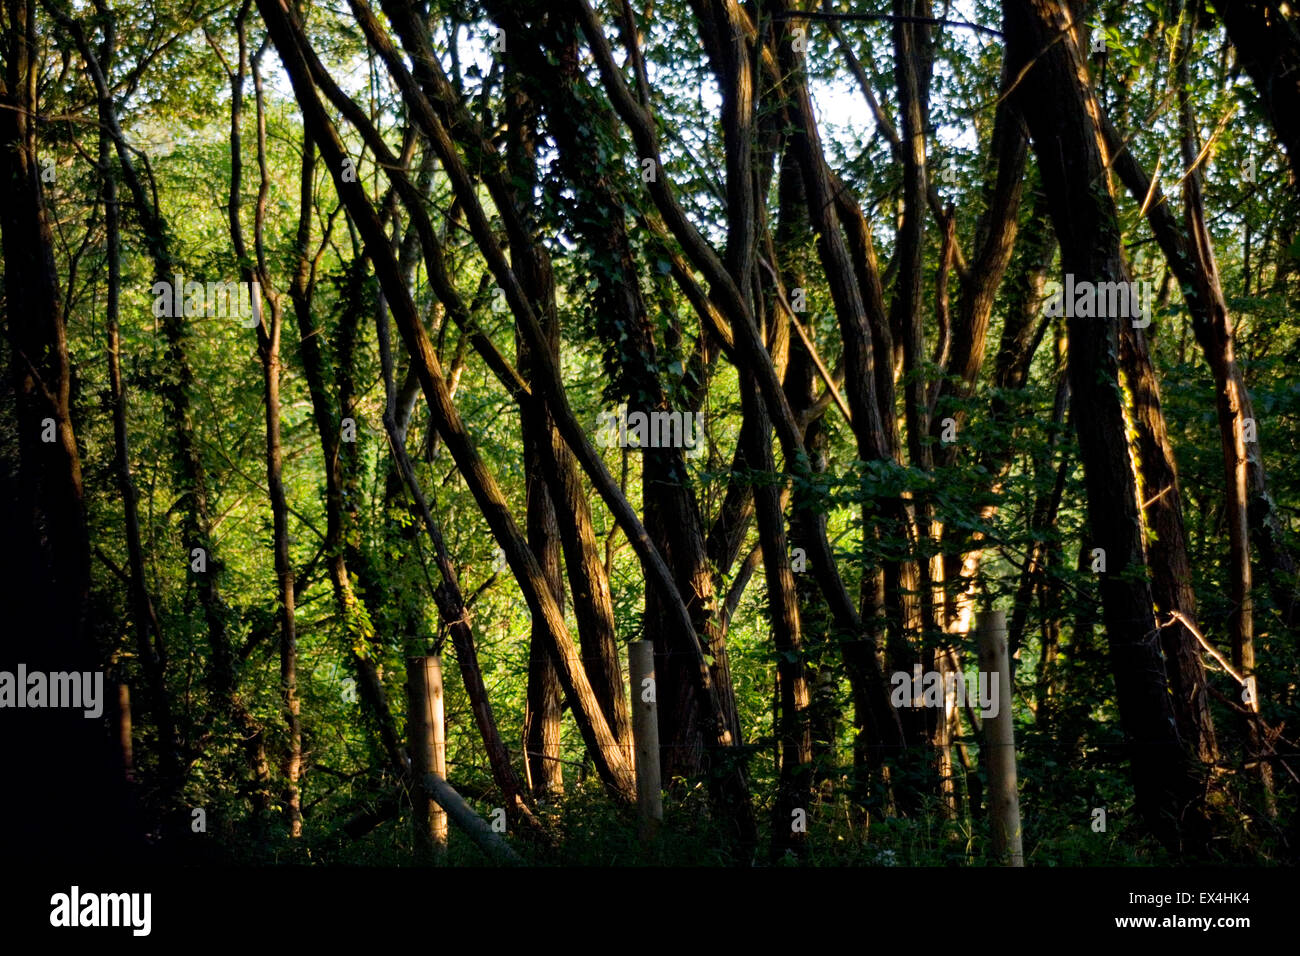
149,642
253,270
1266,34
1171,573
45,563
608,756
188,470
1062,115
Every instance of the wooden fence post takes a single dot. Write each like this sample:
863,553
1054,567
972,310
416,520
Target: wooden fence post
645,733
1004,800
124,732
428,748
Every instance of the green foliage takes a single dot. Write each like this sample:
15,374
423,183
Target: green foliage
173,94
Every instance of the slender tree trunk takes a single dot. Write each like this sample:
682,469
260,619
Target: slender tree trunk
147,629
453,611
794,731
253,269
1231,428
542,713
270,349
799,382
188,469
328,412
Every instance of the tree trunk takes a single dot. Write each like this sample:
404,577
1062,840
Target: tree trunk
253,269
542,713
452,608
1061,113
1266,34
328,412
1171,573
148,632
45,570
188,472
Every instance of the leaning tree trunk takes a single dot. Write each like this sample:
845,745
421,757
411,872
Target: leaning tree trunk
1266,34
328,412
1062,114
542,712
671,513
612,765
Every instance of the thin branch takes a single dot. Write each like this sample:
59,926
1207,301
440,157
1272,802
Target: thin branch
886,17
